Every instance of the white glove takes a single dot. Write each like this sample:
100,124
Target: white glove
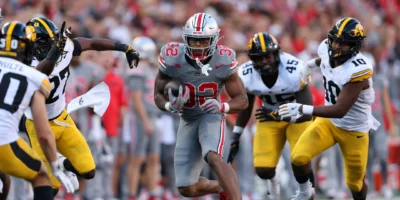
57,170
289,110
292,110
176,103
213,106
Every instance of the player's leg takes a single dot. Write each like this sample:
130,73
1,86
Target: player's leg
293,133
212,139
381,146
137,156
5,188
153,162
188,162
72,145
354,146
314,140
19,160
34,141
269,141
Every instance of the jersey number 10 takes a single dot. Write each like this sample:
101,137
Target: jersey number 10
329,86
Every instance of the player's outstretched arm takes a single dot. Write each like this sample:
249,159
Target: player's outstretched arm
159,85
46,66
347,97
84,44
316,62
235,88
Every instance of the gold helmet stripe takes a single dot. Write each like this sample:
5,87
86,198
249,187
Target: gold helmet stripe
46,27
261,38
343,25
9,35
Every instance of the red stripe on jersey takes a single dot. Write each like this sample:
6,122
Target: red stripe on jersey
222,138
161,61
233,64
199,21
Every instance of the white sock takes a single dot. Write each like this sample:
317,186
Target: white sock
304,187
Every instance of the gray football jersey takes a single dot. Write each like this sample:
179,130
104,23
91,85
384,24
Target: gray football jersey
142,79
380,82
173,63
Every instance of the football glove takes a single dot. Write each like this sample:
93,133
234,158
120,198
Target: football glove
266,115
62,37
213,106
175,104
58,172
132,56
234,147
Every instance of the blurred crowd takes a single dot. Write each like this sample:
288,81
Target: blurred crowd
299,27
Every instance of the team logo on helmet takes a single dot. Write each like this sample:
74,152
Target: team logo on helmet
358,31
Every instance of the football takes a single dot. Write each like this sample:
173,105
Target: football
174,85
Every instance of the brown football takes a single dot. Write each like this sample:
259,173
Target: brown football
174,85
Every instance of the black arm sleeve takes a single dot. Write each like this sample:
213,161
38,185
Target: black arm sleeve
77,48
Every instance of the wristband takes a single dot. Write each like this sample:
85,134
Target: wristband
167,106
225,108
308,110
238,129
121,47
311,63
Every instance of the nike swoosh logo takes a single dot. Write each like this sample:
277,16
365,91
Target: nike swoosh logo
293,108
218,66
284,89
360,136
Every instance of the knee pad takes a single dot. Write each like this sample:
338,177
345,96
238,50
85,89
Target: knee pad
265,172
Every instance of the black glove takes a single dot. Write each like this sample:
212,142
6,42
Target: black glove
266,115
132,55
62,37
234,147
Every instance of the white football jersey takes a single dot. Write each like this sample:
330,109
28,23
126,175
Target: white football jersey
292,77
55,104
357,68
18,83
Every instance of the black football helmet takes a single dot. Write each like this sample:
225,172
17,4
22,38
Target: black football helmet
260,47
16,42
44,35
347,30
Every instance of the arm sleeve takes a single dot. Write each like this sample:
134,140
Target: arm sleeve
77,48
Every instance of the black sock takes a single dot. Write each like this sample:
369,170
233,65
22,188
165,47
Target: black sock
302,179
68,166
43,193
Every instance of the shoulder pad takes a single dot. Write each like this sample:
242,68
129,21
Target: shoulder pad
169,54
360,68
245,71
323,48
227,56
